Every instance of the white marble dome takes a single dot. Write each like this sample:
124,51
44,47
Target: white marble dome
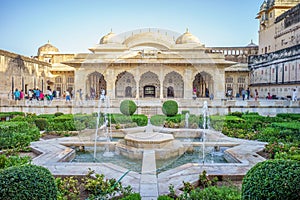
110,38
187,38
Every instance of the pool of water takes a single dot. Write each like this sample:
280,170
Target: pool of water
191,157
119,160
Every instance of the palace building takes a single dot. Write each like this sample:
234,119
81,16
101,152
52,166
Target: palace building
145,63
150,63
276,68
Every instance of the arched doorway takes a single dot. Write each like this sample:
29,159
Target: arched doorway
125,85
149,85
173,85
203,83
170,92
94,84
128,91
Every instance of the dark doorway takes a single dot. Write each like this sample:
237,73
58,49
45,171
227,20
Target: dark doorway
128,92
170,92
149,91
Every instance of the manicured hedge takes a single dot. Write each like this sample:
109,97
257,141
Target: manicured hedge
170,108
128,107
158,120
272,179
27,182
140,120
11,114
17,134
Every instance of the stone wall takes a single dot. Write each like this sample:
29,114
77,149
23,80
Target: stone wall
147,107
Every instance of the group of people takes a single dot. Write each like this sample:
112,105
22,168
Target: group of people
35,94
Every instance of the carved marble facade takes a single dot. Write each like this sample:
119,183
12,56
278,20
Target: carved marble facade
150,63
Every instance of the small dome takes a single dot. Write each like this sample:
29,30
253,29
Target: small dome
187,38
47,48
251,44
109,38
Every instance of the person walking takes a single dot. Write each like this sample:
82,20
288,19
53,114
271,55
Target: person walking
243,94
68,97
256,94
294,96
17,94
248,93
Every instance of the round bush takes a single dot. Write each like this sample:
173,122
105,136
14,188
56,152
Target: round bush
272,179
127,107
27,182
41,123
170,108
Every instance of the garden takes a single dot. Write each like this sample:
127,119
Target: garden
276,178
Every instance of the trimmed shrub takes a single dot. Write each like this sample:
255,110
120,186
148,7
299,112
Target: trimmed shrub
27,182
170,108
134,196
41,123
128,107
272,179
140,120
58,114
158,120
214,192
13,160
17,134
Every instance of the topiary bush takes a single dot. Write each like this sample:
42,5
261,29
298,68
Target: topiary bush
27,182
128,107
272,179
170,108
41,123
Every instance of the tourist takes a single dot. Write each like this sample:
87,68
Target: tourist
269,96
295,93
68,97
30,94
194,93
21,95
256,94
17,94
248,93
243,94
206,92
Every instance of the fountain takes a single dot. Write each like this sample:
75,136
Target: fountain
137,141
206,124
187,115
107,132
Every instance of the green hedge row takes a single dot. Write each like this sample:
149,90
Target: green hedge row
17,134
11,114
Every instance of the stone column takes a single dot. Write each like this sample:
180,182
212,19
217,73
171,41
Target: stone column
110,83
219,80
188,84
137,77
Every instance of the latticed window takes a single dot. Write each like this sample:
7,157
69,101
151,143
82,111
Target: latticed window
70,79
229,80
241,80
58,79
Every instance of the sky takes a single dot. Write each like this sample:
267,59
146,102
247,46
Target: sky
73,26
